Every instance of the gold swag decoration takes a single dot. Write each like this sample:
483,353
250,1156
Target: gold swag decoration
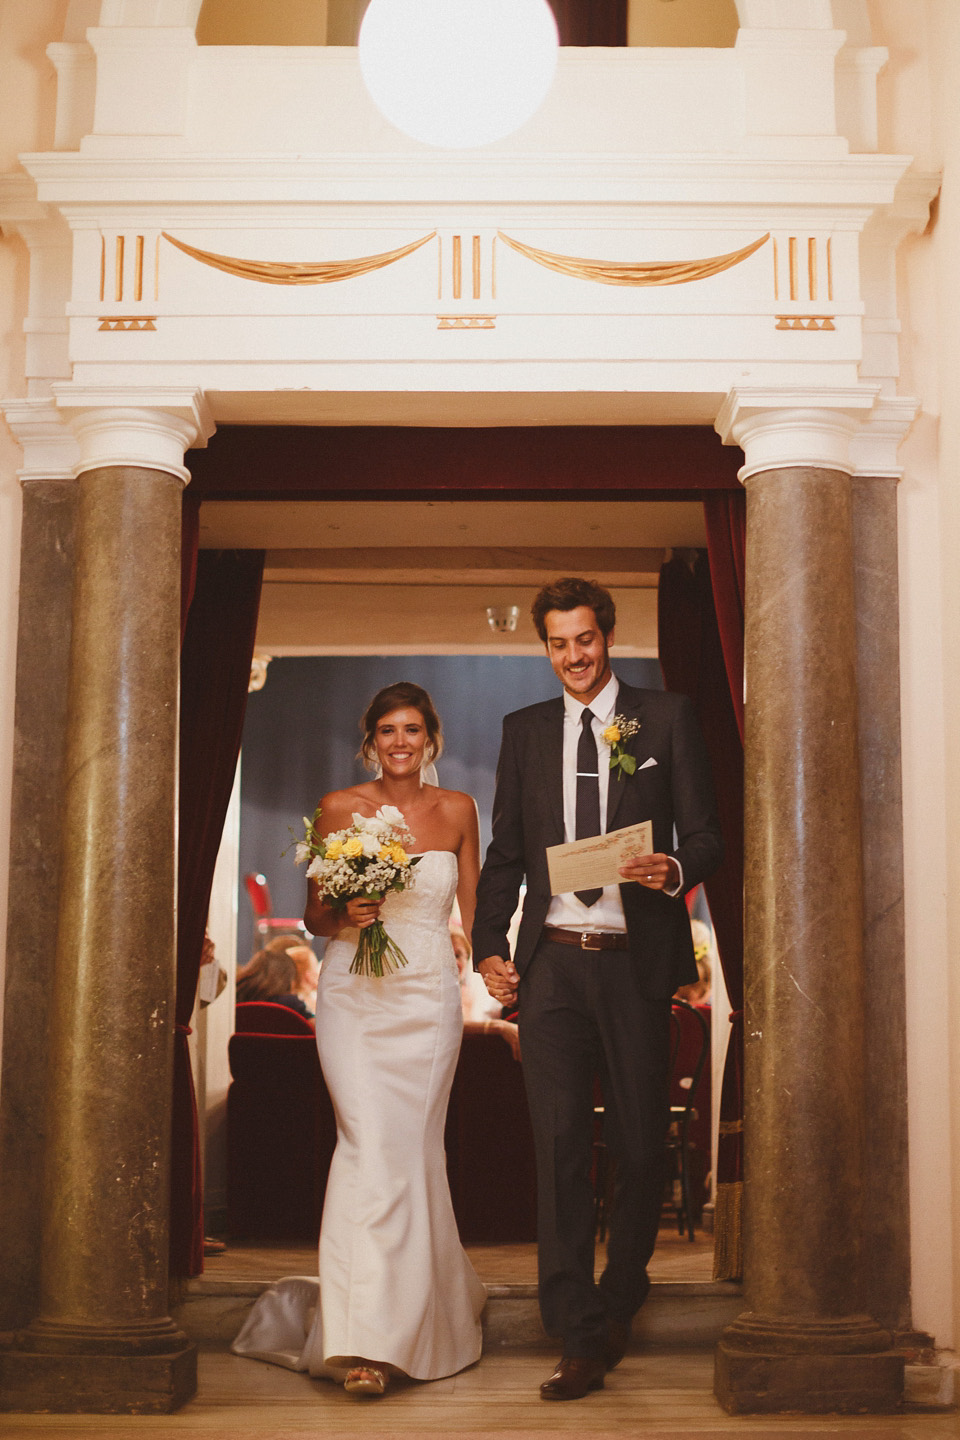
319,272
610,272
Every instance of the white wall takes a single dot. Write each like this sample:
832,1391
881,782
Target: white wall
27,99
919,115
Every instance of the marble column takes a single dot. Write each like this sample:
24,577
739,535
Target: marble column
103,1340
40,718
887,1211
806,1340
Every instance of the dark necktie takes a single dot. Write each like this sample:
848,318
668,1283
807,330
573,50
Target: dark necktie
588,793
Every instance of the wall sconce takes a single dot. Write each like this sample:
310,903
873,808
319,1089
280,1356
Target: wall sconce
258,672
503,618
458,73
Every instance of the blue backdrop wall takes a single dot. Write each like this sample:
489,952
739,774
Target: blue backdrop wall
302,733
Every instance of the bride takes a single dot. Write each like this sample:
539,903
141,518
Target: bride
397,1295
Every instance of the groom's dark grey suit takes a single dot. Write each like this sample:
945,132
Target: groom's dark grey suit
597,1012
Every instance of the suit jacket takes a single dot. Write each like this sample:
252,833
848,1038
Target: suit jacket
676,791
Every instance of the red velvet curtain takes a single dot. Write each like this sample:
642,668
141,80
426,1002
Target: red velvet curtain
694,655
591,22
726,515
215,660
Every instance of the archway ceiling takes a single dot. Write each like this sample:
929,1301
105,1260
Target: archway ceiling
466,407
417,576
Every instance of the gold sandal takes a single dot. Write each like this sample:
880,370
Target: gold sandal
366,1380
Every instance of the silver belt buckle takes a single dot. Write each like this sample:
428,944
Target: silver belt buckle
589,940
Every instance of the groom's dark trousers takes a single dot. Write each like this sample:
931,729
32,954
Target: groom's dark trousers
585,1012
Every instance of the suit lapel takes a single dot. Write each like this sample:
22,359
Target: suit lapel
628,704
551,750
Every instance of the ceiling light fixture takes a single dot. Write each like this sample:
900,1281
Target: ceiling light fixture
458,73
502,619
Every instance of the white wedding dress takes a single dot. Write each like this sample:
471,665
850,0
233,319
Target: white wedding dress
395,1285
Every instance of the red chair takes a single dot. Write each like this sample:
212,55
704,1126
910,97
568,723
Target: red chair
688,1134
688,1139
281,1130
265,1017
490,1161
265,923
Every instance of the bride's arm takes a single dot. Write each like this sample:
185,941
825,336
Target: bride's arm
468,862
319,917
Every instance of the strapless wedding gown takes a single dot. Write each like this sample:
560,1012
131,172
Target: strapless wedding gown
394,1284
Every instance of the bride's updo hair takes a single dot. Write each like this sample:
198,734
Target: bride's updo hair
405,695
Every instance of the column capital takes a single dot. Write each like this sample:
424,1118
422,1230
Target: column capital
149,427
874,448
50,450
794,429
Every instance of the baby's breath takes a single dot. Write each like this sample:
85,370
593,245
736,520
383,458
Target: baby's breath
368,858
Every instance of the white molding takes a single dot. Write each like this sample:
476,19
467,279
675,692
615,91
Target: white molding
50,450
794,429
851,185
146,427
18,200
875,446
76,67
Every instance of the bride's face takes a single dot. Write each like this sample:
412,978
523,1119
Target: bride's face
400,740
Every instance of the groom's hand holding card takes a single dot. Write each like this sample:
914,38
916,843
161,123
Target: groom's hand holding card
597,861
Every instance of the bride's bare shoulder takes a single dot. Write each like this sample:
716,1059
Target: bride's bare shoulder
337,807
457,804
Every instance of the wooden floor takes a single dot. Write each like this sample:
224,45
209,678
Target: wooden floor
675,1258
656,1397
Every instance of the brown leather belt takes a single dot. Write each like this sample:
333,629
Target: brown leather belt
588,939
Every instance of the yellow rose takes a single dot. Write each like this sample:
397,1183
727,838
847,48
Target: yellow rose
398,855
334,849
353,847
612,734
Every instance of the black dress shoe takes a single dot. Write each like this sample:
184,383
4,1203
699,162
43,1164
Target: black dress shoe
573,1378
618,1342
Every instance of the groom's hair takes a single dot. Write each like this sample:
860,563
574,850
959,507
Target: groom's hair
569,594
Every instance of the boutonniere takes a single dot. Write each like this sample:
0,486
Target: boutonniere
620,729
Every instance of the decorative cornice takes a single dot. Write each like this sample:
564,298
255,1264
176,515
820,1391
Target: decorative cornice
50,450
849,185
18,200
149,427
290,272
875,446
794,429
634,273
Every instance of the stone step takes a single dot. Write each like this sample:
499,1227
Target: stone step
677,1314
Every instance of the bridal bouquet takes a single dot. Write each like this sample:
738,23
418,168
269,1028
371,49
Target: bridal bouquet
367,858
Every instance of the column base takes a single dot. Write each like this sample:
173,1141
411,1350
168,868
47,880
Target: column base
750,1383
32,1382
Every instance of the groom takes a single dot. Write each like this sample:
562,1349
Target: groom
594,969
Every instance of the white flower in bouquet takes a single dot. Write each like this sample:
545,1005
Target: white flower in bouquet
367,858
394,817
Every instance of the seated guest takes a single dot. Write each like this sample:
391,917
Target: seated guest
481,1013
703,942
284,972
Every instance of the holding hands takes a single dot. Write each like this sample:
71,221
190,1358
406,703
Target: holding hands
500,978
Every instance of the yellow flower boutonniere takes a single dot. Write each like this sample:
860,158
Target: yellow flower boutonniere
620,729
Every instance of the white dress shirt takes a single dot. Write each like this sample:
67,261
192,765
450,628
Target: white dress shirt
567,911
